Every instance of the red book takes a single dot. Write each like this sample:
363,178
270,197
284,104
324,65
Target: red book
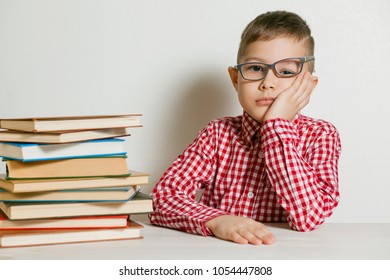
87,222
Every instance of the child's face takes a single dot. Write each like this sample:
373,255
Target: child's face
257,96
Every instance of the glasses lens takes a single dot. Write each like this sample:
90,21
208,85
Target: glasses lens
288,67
254,71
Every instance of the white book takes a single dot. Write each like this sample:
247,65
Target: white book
61,136
47,237
44,124
37,152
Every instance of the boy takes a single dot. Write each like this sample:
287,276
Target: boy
270,164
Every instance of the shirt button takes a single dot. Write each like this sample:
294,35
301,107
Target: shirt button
279,130
261,155
250,194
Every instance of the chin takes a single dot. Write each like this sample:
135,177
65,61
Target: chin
257,117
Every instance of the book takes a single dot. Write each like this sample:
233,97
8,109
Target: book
68,123
39,152
76,167
76,195
61,137
47,237
140,203
38,185
110,221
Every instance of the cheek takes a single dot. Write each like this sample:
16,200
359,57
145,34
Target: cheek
247,88
242,99
245,99
285,84
246,91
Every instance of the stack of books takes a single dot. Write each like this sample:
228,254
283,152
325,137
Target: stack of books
67,180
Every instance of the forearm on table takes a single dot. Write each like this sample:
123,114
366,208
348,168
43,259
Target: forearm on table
307,188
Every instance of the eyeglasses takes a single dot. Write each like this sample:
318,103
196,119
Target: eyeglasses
285,68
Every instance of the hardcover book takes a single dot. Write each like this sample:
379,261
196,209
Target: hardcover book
76,195
76,167
40,152
68,123
47,237
88,222
140,203
40,185
61,137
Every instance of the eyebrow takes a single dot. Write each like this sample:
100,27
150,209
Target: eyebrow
254,58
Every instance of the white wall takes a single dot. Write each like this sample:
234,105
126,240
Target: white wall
169,59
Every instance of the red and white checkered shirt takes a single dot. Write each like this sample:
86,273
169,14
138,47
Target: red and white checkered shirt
276,172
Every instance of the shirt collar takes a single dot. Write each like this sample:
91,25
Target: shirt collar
250,128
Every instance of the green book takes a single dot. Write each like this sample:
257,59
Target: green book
76,195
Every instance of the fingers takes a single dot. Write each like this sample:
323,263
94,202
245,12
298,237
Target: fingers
257,234
298,82
240,230
304,90
263,235
299,88
293,99
240,239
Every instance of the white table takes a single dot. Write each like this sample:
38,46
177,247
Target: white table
329,242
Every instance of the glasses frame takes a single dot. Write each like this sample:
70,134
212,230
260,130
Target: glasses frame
303,59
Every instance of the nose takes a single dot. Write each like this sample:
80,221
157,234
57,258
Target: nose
269,81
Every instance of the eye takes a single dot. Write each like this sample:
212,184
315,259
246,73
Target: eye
287,72
288,67
254,68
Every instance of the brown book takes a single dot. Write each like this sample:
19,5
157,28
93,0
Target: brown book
68,123
140,203
76,167
40,185
46,237
61,137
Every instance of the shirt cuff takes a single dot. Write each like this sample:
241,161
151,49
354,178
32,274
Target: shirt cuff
276,131
201,228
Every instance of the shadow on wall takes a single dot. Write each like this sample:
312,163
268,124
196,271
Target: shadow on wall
208,97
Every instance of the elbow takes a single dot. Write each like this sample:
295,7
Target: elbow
304,227
306,220
305,223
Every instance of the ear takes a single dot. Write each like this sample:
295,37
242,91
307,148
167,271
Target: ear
315,80
233,73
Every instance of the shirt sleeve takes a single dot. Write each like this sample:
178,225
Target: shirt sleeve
305,179
174,197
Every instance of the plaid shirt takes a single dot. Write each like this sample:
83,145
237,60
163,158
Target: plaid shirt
276,172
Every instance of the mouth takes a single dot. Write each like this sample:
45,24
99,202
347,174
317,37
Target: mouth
265,101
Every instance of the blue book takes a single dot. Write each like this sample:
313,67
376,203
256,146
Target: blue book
39,152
